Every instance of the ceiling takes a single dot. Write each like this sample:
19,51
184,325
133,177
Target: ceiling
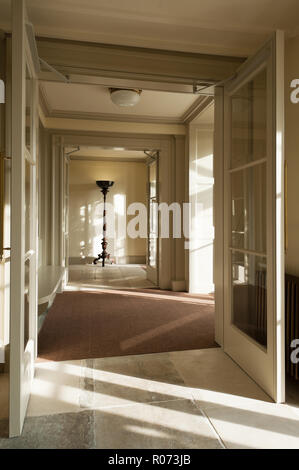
232,27
94,102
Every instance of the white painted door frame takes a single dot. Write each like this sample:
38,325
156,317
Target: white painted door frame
152,271
130,142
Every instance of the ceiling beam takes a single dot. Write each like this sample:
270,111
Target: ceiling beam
173,71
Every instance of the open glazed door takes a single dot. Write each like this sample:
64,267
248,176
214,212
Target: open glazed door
153,220
253,236
23,218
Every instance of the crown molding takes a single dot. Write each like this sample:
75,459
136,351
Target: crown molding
200,105
85,115
44,102
105,159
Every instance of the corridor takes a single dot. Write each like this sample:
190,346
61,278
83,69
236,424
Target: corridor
117,276
93,320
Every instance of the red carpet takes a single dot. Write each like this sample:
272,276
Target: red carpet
83,325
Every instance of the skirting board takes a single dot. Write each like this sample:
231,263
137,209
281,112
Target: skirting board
178,286
74,260
202,289
4,366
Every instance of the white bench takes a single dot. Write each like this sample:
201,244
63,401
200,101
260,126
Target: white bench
49,283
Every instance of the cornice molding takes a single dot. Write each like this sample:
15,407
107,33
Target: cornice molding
105,159
84,115
44,102
197,108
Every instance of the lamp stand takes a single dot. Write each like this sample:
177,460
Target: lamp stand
104,186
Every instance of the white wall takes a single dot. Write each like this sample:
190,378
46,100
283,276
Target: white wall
85,211
201,183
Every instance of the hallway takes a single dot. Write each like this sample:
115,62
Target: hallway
190,399
115,276
89,321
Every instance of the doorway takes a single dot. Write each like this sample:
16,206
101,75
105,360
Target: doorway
130,254
122,301
170,272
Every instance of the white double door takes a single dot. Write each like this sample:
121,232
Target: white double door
23,286
253,237
253,251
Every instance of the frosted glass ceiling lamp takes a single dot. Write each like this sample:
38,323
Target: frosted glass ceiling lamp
125,97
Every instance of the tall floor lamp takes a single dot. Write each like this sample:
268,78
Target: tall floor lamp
104,186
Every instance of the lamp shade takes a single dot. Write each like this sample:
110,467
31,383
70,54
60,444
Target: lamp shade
104,184
125,97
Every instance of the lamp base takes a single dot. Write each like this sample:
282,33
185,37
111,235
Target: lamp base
104,255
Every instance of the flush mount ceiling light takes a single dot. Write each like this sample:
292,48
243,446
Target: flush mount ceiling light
125,97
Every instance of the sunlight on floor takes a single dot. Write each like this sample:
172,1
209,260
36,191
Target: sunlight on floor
191,399
126,276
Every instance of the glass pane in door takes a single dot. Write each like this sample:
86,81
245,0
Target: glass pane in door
28,115
248,189
249,295
248,205
26,302
249,121
27,204
153,216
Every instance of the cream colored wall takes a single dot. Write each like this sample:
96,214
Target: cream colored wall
292,158
130,182
201,183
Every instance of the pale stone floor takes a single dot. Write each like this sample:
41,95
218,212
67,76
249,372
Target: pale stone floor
121,276
190,399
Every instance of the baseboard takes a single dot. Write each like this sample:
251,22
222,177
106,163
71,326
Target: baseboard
78,260
4,367
178,286
130,259
203,289
2,359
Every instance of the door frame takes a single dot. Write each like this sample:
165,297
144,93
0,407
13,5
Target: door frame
152,272
163,144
